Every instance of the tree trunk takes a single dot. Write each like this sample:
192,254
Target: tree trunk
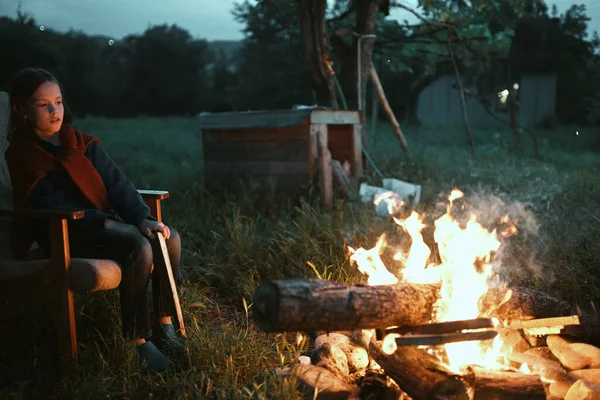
386,106
366,24
314,34
315,305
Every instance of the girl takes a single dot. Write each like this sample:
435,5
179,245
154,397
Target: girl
53,166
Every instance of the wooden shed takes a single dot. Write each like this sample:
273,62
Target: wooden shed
286,148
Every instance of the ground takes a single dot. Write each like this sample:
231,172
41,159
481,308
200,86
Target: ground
233,241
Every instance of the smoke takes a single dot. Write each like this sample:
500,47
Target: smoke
517,229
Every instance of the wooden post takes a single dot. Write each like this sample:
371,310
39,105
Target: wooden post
374,111
325,173
359,171
64,310
387,108
313,151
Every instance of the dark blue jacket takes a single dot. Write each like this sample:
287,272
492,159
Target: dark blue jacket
56,191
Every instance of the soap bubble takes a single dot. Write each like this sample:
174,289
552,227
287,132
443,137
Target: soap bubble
111,42
42,28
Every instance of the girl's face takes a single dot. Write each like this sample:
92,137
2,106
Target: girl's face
44,110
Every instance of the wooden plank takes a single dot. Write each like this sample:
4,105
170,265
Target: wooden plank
253,168
39,213
313,151
278,150
236,168
545,322
257,134
157,194
325,173
358,170
443,338
282,182
334,117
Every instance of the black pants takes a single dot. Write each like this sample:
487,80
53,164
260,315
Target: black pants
134,253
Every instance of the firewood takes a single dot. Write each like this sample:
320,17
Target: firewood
494,385
419,374
318,305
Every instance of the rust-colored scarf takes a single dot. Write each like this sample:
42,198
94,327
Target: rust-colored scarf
28,163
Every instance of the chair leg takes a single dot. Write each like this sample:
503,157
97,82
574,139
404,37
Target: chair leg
64,310
66,331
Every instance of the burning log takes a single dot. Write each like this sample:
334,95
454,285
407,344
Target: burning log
422,376
318,305
419,374
492,385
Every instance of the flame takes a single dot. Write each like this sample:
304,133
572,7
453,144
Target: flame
370,263
465,273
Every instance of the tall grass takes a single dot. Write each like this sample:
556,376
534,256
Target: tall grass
233,241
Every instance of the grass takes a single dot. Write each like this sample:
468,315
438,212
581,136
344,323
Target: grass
233,241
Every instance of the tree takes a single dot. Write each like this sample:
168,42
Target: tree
315,38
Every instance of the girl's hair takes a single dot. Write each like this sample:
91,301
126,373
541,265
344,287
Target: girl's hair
22,87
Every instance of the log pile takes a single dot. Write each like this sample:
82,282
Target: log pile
347,361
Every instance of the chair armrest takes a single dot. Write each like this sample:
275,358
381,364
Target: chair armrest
153,198
41,213
154,194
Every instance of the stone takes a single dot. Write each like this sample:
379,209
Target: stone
319,383
333,359
589,375
583,390
304,360
332,338
559,389
574,356
358,358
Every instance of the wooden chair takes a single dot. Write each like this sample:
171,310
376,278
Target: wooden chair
57,278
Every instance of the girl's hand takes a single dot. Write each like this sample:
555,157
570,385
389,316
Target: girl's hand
147,227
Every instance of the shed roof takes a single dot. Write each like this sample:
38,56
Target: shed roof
277,118
254,119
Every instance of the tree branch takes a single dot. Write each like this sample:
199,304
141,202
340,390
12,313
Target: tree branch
418,15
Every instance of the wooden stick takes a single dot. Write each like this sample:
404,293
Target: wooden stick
387,108
463,101
161,257
342,180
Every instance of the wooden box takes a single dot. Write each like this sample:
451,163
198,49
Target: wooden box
280,147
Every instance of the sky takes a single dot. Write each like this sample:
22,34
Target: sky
206,19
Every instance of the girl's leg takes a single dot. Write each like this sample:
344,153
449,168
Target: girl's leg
160,287
134,254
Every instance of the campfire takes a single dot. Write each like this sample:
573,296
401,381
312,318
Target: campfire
430,330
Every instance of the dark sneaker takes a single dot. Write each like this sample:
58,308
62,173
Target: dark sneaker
165,338
151,358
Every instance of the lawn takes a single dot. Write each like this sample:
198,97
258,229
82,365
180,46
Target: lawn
233,241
